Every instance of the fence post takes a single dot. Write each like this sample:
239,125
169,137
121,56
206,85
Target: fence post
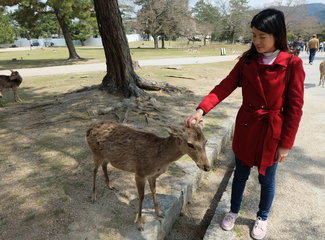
223,51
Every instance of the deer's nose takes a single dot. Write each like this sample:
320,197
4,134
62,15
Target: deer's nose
206,168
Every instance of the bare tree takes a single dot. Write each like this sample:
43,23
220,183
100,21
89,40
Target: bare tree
235,17
160,18
207,18
297,19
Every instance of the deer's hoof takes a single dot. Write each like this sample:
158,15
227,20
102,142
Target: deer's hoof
139,223
140,226
161,214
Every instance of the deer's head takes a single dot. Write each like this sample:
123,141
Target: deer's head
192,142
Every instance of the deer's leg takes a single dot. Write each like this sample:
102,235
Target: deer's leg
93,197
104,167
1,105
17,98
140,182
152,184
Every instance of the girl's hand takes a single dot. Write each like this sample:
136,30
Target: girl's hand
194,118
281,154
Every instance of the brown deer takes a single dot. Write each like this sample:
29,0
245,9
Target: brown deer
144,154
322,73
13,81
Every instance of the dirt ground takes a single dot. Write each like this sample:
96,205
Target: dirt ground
195,219
46,166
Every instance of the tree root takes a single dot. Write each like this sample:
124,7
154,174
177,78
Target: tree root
161,86
141,106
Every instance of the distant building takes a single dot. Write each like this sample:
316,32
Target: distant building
60,42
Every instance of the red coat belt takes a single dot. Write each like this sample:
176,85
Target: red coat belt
273,132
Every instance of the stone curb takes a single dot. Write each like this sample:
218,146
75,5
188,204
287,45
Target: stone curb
214,231
172,205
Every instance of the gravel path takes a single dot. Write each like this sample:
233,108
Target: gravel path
101,67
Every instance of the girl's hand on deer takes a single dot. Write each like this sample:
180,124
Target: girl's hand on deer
194,118
281,154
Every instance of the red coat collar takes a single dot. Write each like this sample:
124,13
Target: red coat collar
282,59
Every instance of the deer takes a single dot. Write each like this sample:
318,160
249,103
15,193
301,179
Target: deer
144,154
322,74
13,81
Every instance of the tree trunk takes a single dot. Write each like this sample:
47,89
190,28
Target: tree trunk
155,40
163,42
67,36
120,77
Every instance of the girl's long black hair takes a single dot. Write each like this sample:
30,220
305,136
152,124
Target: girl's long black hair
270,21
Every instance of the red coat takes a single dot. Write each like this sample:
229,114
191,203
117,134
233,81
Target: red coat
264,121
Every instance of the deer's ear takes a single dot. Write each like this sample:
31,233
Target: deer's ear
11,70
201,124
172,130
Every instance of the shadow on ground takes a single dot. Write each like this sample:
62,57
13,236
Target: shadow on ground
46,167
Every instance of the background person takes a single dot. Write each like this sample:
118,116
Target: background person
266,124
298,45
313,46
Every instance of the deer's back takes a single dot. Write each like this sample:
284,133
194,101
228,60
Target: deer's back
5,82
322,68
125,148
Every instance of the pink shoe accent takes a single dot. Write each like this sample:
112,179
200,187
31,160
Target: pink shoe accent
259,229
228,221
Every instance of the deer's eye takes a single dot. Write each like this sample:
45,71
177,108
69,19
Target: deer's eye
190,145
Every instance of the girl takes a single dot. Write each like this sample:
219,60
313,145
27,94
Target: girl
267,121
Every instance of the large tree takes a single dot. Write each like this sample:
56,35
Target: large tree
120,78
65,12
42,26
9,2
6,30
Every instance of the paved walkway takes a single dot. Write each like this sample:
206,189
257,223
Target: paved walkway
101,67
298,211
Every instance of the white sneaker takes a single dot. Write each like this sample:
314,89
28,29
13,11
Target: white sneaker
228,221
259,229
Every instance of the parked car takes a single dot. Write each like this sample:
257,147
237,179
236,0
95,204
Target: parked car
35,43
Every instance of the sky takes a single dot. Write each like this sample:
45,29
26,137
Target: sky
264,3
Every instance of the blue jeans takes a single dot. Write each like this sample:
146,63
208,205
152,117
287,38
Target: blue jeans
267,183
312,53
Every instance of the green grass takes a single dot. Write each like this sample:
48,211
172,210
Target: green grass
46,57
58,211
55,56
187,51
30,217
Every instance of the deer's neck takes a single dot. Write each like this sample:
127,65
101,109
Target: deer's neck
171,151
